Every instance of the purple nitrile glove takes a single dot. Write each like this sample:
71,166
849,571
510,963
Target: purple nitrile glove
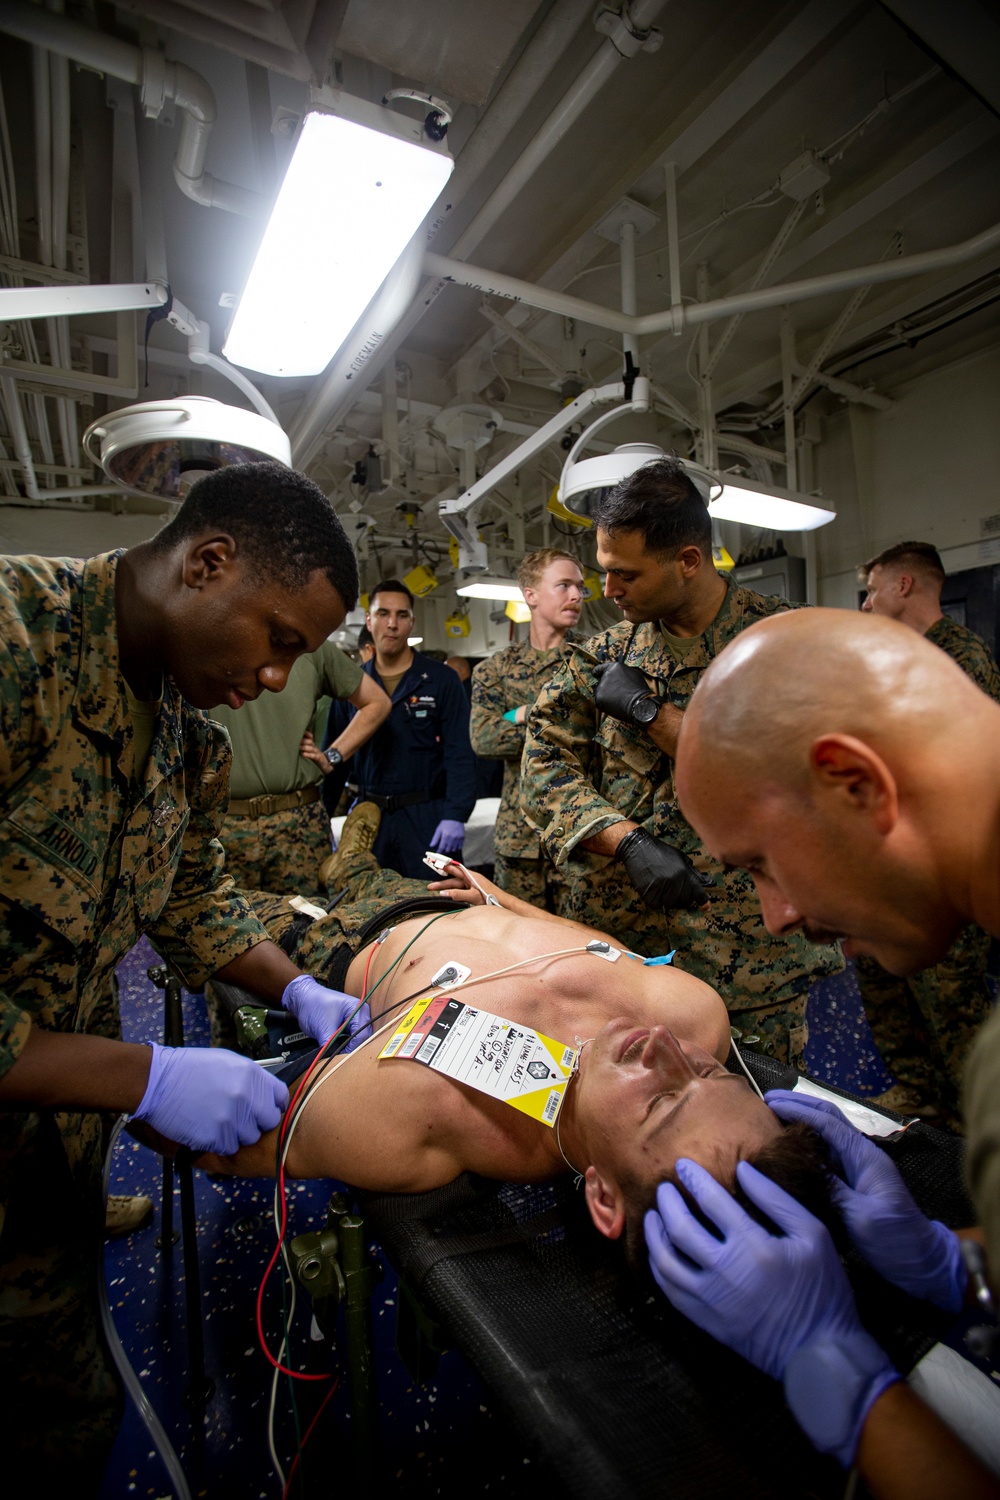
917,1254
782,1301
321,1011
449,836
210,1099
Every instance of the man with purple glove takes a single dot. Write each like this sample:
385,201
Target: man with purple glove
859,812
418,768
113,786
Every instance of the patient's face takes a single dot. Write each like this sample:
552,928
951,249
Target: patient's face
646,1099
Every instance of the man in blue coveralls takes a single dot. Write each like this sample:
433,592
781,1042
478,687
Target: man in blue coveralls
418,767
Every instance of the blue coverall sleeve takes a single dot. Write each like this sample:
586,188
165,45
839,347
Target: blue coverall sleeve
459,761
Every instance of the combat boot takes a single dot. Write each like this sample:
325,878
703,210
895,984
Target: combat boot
356,837
123,1215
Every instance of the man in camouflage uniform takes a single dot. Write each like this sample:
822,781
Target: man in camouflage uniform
113,788
503,689
923,1026
597,777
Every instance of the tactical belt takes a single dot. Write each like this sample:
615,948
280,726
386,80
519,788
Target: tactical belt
260,807
394,799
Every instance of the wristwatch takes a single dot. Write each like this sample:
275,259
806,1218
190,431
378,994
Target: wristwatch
334,756
645,710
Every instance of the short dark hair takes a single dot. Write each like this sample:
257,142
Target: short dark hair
798,1160
390,586
365,637
919,555
283,525
660,502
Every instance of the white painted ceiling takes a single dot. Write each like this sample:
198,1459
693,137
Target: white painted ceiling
902,111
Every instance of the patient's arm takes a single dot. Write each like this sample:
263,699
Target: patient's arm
458,885
907,1453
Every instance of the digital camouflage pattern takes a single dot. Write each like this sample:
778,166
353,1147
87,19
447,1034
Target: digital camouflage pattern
583,771
279,851
513,676
970,651
537,881
370,891
923,1026
90,858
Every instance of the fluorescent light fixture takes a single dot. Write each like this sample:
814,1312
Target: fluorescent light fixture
160,448
753,504
414,640
361,180
490,586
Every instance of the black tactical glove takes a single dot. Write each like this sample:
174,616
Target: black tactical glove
663,876
624,693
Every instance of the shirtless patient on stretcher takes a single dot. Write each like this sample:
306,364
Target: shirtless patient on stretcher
650,1085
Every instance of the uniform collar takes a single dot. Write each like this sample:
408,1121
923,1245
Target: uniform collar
649,652
100,692
101,699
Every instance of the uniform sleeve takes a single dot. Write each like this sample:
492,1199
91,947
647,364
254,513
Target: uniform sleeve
491,734
459,761
206,922
983,670
339,675
560,764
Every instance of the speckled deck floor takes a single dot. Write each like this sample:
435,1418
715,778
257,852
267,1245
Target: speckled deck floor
435,1436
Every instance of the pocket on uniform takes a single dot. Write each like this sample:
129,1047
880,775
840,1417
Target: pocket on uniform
47,868
633,750
153,876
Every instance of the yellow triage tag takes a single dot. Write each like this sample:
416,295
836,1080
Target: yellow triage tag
500,1058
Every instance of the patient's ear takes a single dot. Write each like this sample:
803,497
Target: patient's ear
606,1204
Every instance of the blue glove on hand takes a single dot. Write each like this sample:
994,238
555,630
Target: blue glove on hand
210,1099
915,1253
321,1011
449,836
783,1302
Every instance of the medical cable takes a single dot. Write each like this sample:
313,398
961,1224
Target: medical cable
747,1071
132,1383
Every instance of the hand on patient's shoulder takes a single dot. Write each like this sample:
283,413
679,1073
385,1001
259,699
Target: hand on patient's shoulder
210,1099
915,1253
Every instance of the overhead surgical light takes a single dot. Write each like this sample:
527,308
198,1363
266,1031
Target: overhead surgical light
359,184
490,586
584,481
766,505
160,448
728,497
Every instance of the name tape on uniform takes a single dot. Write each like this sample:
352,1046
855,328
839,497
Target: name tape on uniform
500,1058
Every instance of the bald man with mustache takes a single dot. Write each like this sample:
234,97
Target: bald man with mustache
863,798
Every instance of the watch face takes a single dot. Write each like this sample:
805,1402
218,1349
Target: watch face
645,710
334,757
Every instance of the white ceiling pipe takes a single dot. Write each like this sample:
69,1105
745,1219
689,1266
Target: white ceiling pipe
710,311
330,400
602,65
22,451
159,81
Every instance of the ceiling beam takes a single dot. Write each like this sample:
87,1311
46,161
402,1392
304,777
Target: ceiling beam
962,36
700,128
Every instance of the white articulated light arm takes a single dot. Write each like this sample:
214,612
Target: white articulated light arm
196,331
457,514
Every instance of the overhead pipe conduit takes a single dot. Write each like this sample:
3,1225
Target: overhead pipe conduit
158,80
626,34
496,284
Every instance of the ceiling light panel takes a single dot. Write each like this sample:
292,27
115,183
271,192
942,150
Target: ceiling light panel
360,182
